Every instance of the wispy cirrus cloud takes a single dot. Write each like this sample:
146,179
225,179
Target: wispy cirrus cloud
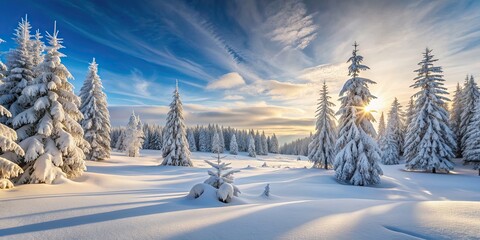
227,81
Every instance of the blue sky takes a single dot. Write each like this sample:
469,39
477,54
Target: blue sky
251,64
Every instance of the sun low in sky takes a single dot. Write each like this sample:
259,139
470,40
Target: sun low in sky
252,64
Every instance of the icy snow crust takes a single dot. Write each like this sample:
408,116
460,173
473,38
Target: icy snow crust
134,198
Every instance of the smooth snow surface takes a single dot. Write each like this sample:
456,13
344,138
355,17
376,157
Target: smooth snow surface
134,198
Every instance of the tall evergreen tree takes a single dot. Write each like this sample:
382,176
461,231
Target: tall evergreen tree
233,145
455,119
37,47
429,141
175,145
19,74
274,144
191,141
381,128
96,118
133,138
263,140
356,161
471,153
216,146
393,138
251,146
8,146
322,148
57,140
470,97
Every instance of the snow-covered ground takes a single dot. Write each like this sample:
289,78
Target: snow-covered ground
134,198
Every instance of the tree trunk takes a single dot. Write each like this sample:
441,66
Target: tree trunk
434,170
326,165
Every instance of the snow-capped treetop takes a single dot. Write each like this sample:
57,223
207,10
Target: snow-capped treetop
20,71
36,48
355,93
455,118
429,142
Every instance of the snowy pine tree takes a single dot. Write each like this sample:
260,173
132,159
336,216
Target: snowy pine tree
263,140
381,128
471,153
356,161
216,146
393,139
133,140
175,146
56,144
8,146
19,74
222,174
429,140
96,118
470,97
233,145
36,48
274,144
251,146
191,141
202,140
321,151
455,118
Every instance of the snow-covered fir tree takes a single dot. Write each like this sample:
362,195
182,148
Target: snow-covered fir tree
216,146
455,118
120,144
381,128
274,144
258,144
221,175
175,145
133,140
470,97
251,146
356,161
96,118
19,74
233,145
202,140
393,139
429,142
192,146
37,47
8,146
56,144
321,151
263,140
471,152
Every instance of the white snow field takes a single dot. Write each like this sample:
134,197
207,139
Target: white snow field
134,198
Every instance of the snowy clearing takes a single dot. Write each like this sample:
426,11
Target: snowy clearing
134,198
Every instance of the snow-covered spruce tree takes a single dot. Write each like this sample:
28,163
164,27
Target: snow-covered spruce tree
19,74
393,139
321,151
455,119
56,145
220,176
251,146
175,145
381,128
96,118
356,161
471,153
37,47
120,144
409,114
258,144
274,144
8,146
429,142
202,140
263,139
233,145
216,146
470,97
191,141
133,140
